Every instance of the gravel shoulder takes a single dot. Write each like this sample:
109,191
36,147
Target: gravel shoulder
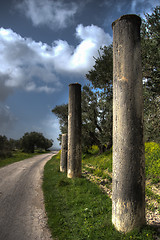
22,211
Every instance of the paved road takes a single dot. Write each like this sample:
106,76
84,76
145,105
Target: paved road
22,213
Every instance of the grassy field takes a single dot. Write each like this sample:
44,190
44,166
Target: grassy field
78,209
16,157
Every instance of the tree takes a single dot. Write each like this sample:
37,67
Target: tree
33,140
5,147
151,116
61,112
101,77
94,113
150,41
47,144
97,102
101,74
14,144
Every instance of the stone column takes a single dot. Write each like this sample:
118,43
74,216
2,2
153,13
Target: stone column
74,131
128,189
63,161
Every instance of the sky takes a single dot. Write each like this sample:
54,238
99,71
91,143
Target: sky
44,46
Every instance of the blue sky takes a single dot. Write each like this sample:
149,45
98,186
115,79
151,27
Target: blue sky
44,46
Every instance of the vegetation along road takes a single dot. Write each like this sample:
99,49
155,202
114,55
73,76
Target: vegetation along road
22,213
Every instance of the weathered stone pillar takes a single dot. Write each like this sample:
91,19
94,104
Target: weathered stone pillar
128,189
63,161
74,131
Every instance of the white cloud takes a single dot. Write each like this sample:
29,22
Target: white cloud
53,13
25,64
80,59
34,66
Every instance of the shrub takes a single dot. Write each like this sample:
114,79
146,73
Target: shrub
94,149
152,155
5,148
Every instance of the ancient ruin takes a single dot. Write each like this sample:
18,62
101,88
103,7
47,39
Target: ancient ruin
64,148
74,131
128,189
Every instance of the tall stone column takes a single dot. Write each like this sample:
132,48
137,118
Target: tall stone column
63,160
74,131
128,189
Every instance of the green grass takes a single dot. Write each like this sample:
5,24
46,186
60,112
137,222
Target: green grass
16,157
104,161
101,162
78,210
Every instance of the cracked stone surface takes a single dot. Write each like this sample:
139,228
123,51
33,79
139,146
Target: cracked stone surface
22,211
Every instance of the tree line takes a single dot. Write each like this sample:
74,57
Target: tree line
98,95
28,143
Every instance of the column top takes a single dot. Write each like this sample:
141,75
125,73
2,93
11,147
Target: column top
64,134
71,84
131,17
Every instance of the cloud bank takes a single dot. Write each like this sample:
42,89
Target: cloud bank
23,64
35,66
80,59
54,14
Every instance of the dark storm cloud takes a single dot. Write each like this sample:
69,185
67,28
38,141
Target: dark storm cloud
7,120
4,90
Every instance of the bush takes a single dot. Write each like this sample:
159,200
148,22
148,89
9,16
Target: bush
94,149
5,147
152,155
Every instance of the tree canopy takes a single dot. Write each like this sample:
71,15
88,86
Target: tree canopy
97,98
150,41
5,147
101,74
28,143
31,141
95,111
61,112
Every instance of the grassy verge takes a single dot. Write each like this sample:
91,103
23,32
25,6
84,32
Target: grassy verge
16,157
101,167
78,210
103,162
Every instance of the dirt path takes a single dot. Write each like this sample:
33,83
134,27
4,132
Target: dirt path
22,213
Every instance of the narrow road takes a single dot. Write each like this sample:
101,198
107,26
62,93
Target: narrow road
22,212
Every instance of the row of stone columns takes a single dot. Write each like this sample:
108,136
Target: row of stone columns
128,180
71,144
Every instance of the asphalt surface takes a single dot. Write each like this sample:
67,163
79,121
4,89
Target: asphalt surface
22,212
